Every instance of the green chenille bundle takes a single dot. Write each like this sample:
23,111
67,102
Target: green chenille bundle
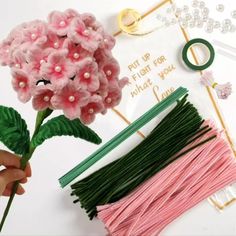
182,126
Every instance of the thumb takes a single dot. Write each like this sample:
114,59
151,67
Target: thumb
10,175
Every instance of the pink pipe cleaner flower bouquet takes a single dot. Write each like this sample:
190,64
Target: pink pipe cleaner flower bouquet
66,64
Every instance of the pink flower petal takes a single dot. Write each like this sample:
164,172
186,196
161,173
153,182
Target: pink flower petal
70,99
42,97
87,75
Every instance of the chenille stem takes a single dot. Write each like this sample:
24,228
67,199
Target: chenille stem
41,116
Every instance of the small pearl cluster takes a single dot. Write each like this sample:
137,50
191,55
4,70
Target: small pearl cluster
197,15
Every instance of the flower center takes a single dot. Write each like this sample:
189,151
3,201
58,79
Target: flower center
108,72
76,55
33,36
56,45
46,98
71,98
86,32
58,69
91,111
62,23
22,84
41,61
108,100
86,75
17,65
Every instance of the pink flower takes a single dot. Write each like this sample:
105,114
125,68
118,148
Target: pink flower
5,53
22,84
58,69
54,41
76,52
36,57
90,21
59,23
88,112
42,97
18,59
87,75
108,41
35,33
111,68
79,34
113,98
70,99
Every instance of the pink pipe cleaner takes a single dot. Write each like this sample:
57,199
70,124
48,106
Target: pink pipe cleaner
222,90
171,192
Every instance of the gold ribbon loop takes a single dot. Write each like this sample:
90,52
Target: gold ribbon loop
129,22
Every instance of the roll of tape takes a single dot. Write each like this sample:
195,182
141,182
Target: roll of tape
200,41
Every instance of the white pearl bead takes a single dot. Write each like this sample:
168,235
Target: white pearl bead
105,40
108,72
205,18
62,23
33,36
86,75
209,29
108,100
233,14
7,50
91,111
41,61
22,84
76,55
192,23
220,7
58,69
199,24
205,11
187,17
71,98
86,32
227,22
46,98
202,4
217,24
17,65
56,45
225,29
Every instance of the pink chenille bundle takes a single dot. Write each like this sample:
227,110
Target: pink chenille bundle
170,193
65,63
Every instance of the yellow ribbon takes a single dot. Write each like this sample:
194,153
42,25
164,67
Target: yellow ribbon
129,22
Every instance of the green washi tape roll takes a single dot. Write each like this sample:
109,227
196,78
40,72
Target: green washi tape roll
190,44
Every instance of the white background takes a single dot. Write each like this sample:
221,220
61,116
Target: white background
46,209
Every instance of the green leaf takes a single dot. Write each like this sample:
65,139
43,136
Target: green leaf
13,131
59,126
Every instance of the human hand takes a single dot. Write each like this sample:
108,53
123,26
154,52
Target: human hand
12,173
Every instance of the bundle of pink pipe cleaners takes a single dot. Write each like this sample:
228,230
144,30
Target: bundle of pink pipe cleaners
65,63
170,193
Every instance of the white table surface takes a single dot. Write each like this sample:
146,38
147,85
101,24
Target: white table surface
46,209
